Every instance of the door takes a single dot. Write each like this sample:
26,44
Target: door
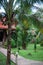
1,35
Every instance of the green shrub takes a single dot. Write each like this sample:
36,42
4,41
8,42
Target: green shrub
41,43
13,43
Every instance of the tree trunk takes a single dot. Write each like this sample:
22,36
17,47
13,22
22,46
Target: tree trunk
24,45
9,45
35,46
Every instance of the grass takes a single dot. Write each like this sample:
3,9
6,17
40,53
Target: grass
3,60
30,53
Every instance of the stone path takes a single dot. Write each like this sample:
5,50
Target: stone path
21,60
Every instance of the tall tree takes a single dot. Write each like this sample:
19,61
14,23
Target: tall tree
8,7
23,15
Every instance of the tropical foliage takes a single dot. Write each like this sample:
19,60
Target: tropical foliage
20,12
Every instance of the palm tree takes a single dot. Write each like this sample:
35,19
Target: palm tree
38,19
8,7
23,15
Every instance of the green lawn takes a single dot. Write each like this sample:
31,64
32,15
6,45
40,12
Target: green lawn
3,60
30,53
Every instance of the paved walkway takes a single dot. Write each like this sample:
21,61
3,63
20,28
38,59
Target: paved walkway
21,60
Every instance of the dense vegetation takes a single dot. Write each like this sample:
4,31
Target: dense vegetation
23,16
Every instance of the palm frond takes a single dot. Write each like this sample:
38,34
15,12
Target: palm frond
36,22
